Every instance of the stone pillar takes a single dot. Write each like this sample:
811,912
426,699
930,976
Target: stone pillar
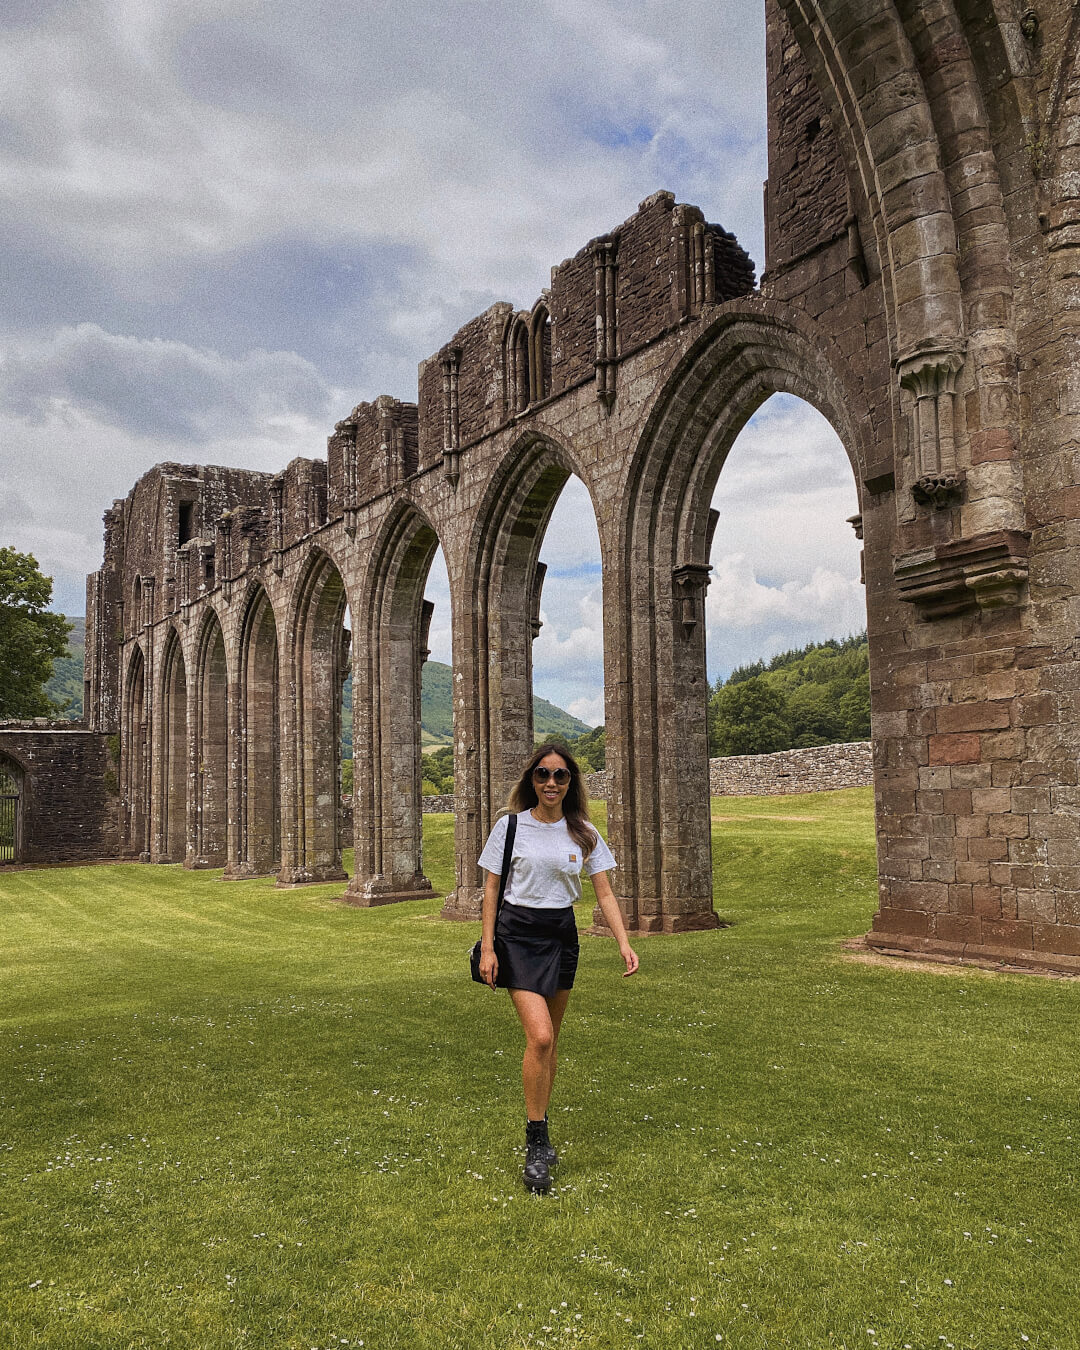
470,720
387,810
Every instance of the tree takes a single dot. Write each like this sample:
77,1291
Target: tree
748,718
31,638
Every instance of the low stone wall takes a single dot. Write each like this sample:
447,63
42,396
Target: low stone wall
822,768
68,801
439,806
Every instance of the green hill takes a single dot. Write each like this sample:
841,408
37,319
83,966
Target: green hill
436,699
437,712
65,686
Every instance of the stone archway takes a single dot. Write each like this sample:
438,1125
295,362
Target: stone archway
494,726
389,651
211,717
658,757
11,780
920,289
135,740
174,760
318,654
256,848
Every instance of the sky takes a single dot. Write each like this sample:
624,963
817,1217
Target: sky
224,224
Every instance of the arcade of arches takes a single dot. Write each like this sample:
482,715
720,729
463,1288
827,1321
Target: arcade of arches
920,289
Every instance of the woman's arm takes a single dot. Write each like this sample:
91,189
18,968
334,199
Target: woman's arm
609,908
489,962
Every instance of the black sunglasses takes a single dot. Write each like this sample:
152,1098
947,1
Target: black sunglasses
541,775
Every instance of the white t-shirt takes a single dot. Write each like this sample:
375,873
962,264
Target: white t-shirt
546,868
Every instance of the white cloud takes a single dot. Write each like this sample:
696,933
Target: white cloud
590,710
219,214
496,138
154,388
440,632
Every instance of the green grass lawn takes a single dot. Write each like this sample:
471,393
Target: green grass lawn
232,1116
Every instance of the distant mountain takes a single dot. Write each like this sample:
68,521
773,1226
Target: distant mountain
437,712
65,686
436,699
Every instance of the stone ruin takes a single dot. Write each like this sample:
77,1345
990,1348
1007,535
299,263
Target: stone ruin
920,289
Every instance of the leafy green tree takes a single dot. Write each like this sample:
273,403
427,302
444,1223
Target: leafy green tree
814,715
854,709
590,750
31,638
749,718
437,771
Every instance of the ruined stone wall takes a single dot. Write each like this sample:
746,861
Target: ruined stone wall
807,195
69,791
969,238
921,290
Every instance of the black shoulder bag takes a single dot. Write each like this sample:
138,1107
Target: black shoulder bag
508,858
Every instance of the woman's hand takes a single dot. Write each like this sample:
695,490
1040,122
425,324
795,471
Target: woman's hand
609,907
489,966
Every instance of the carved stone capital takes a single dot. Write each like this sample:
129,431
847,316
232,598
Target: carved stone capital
938,489
929,373
691,580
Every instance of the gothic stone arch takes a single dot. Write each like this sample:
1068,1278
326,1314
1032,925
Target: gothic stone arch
920,287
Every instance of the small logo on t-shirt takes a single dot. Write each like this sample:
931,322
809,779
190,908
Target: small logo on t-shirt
573,857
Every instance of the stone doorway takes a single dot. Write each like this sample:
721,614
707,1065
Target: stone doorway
10,795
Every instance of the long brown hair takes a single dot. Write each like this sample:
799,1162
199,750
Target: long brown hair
575,804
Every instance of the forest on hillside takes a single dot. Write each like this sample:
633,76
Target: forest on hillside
65,685
814,695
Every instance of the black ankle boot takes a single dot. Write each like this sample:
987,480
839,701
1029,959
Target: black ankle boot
551,1156
537,1173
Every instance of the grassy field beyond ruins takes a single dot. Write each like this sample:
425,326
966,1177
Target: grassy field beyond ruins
234,1116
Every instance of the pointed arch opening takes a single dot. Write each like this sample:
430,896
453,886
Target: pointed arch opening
319,658
211,782
516,367
391,651
11,780
497,662
258,832
660,768
175,756
539,354
785,611
135,758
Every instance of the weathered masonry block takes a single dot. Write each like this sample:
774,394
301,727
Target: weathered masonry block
921,288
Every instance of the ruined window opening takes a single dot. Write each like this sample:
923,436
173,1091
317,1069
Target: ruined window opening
812,128
539,355
186,527
517,368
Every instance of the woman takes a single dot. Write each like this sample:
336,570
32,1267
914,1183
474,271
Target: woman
533,950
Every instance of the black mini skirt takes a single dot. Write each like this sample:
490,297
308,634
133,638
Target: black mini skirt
537,948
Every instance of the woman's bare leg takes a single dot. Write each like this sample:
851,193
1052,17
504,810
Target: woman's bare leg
557,1008
541,1020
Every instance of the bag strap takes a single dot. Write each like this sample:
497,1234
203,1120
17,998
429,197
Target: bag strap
508,859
